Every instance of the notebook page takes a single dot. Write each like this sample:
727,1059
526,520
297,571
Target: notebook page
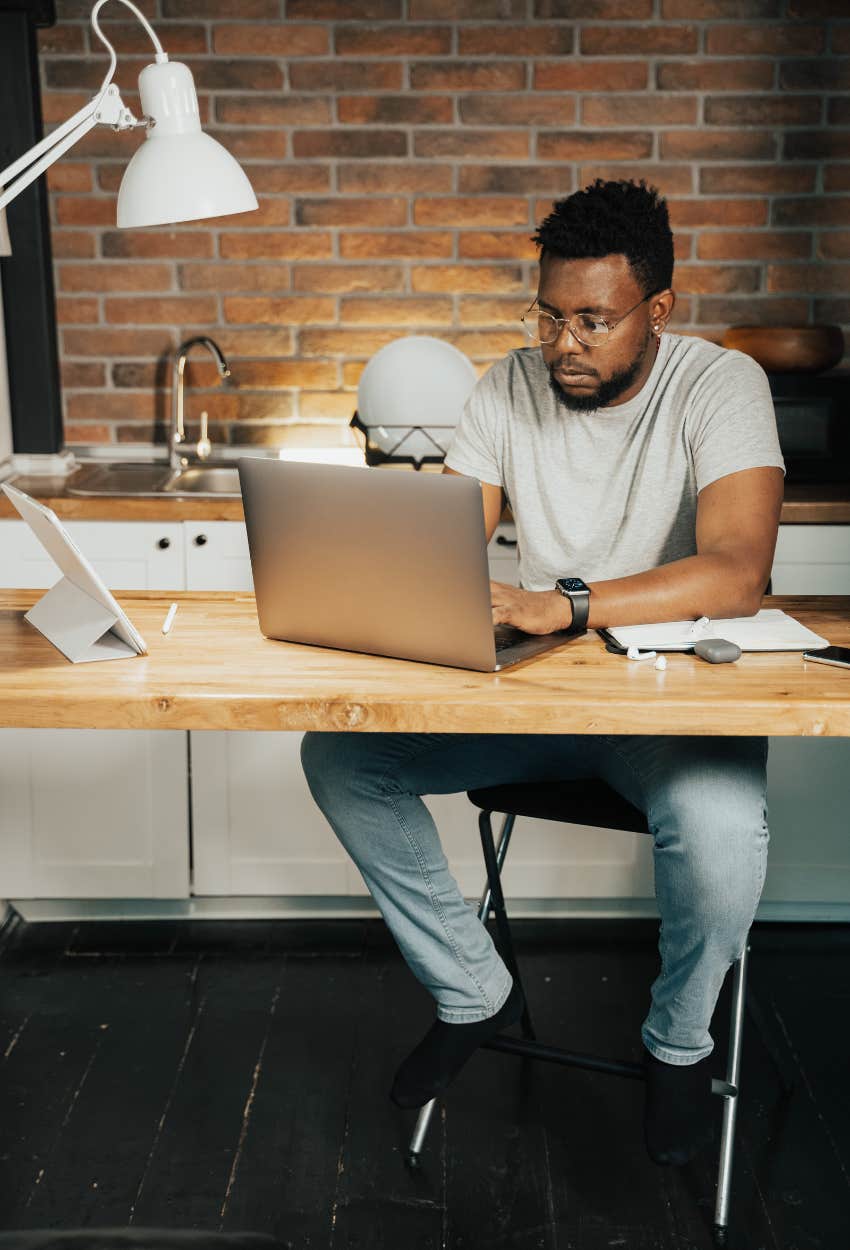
770,629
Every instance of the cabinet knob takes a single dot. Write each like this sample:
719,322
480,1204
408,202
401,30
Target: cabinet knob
505,542
200,540
164,543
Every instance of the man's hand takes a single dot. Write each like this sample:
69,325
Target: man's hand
535,611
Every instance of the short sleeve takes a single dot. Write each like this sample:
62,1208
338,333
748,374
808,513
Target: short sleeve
732,423
475,448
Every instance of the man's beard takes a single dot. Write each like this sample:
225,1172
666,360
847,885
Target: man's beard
605,393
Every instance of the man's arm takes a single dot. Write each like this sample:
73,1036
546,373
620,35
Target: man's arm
736,527
493,499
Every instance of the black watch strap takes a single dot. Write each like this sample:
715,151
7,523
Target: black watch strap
578,593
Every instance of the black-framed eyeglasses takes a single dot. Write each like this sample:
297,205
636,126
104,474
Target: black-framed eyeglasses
590,330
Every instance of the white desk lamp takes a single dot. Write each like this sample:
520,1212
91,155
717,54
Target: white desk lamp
178,173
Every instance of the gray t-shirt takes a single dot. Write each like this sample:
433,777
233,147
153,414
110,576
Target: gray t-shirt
611,492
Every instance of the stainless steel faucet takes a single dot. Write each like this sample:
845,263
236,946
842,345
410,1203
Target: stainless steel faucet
178,429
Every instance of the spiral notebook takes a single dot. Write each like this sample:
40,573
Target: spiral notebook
770,629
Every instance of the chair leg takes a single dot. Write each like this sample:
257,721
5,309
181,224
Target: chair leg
497,901
417,1141
730,1100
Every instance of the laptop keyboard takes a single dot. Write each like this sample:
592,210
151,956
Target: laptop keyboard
508,636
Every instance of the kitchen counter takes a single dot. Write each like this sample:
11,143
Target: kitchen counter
827,504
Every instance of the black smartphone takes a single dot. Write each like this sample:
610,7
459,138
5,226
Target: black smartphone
839,656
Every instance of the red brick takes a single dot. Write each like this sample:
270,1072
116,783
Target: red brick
347,278
351,212
718,145
272,211
834,244
131,38
778,39
594,10
73,311
341,10
669,179
109,342
285,39
327,404
463,278
496,245
138,374
467,76
578,75
754,245
349,143
812,211
276,245
58,106
85,210
345,76
184,244
840,39
682,246
838,113
472,211
477,310
809,279
351,372
88,406
114,276
368,41
70,176
247,144
396,312
487,344
230,277
88,432
705,212
524,40
836,178
289,178
394,110
72,244
763,110
716,279
407,179
61,38
290,373
706,75
614,40
826,73
165,310
639,110
760,179
697,10
517,110
832,311
386,245
752,310
277,110
532,179
816,145
576,145
237,342
262,310
248,9
503,143
466,10
331,342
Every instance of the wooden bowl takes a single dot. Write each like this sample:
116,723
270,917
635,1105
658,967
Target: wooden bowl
789,349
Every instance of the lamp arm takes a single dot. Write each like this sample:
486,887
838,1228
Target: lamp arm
38,167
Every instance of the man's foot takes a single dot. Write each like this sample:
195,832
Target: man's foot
443,1051
677,1118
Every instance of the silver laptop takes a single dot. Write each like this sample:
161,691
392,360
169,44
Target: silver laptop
371,560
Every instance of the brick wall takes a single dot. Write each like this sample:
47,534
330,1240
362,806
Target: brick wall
402,151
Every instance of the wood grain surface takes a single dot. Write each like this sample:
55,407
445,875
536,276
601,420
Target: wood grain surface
216,671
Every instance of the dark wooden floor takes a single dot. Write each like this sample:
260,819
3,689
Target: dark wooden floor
234,1075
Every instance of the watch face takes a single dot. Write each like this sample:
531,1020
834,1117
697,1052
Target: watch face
572,584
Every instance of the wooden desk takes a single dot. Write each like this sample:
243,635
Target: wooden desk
216,671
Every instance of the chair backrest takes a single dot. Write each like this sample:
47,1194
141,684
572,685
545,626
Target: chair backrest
586,802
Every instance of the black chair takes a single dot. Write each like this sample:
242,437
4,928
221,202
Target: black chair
586,802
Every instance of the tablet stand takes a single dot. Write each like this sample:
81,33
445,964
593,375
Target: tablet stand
77,625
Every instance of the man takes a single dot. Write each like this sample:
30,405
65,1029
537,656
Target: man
647,466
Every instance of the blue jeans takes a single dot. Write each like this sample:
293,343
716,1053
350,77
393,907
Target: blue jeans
704,798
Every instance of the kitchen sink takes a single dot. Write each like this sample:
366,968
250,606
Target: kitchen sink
153,478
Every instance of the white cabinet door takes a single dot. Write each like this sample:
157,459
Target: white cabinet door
92,813
217,556
812,560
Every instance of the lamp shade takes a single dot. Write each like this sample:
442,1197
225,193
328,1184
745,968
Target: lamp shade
178,173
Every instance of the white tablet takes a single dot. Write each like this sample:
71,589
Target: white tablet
82,619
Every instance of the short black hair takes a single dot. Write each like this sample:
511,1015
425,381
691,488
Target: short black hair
622,217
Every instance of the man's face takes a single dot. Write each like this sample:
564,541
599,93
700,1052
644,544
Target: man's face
582,377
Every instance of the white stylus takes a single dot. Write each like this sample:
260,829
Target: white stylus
169,618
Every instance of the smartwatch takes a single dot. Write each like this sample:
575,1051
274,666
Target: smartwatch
578,593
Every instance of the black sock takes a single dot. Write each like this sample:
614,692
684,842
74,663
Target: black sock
677,1117
443,1051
